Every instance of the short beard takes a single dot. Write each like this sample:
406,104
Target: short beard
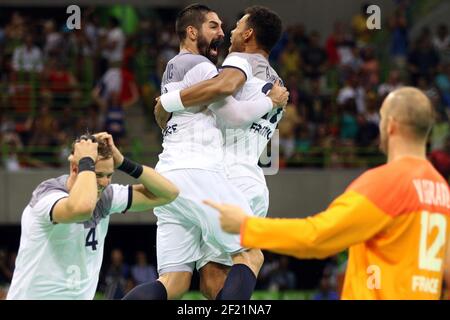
204,48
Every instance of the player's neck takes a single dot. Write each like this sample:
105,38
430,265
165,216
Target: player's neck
253,48
189,47
70,182
400,149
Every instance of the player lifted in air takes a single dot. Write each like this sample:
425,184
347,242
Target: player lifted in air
193,158
251,42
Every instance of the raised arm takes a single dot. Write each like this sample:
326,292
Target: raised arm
80,203
154,190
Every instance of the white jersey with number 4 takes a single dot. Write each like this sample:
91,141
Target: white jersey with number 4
244,146
62,261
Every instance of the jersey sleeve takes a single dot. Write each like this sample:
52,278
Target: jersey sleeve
350,219
236,113
234,61
122,198
44,207
202,71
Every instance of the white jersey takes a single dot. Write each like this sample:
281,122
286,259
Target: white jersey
243,147
191,138
62,261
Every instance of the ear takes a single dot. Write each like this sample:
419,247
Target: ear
191,33
248,34
392,125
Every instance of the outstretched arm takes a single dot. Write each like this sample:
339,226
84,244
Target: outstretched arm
349,220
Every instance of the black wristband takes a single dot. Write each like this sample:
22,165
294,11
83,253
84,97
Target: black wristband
86,164
132,168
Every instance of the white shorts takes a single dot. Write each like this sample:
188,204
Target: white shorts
186,224
257,196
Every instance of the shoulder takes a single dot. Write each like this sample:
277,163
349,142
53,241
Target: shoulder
48,187
189,61
391,187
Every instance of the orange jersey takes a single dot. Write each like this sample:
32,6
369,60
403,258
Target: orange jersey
395,220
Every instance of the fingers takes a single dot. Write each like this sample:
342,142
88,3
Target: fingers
213,204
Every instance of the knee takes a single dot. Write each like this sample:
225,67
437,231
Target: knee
212,279
176,283
252,258
256,258
210,288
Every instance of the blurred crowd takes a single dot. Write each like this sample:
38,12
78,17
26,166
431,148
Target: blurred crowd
56,83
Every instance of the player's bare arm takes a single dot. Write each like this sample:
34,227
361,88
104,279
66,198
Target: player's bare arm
80,203
154,190
226,83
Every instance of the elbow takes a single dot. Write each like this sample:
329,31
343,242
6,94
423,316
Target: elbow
226,88
82,211
173,194
170,196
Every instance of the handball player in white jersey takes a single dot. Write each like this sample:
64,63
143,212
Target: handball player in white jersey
251,42
193,159
66,221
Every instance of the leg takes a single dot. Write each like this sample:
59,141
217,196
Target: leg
171,285
212,279
241,279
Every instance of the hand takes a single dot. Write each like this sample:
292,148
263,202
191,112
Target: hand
279,95
231,217
117,155
85,148
161,115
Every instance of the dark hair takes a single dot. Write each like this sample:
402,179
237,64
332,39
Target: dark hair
193,15
266,24
104,149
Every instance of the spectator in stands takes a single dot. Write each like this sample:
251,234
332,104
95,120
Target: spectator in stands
114,43
10,147
443,84
333,42
142,272
282,278
28,57
60,83
288,124
423,59
115,119
393,82
53,39
441,42
290,60
398,25
370,68
44,139
440,158
314,57
117,278
359,26
326,290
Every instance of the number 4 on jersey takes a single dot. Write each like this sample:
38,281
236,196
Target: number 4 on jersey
90,239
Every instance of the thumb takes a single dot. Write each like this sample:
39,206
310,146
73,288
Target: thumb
277,83
213,204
